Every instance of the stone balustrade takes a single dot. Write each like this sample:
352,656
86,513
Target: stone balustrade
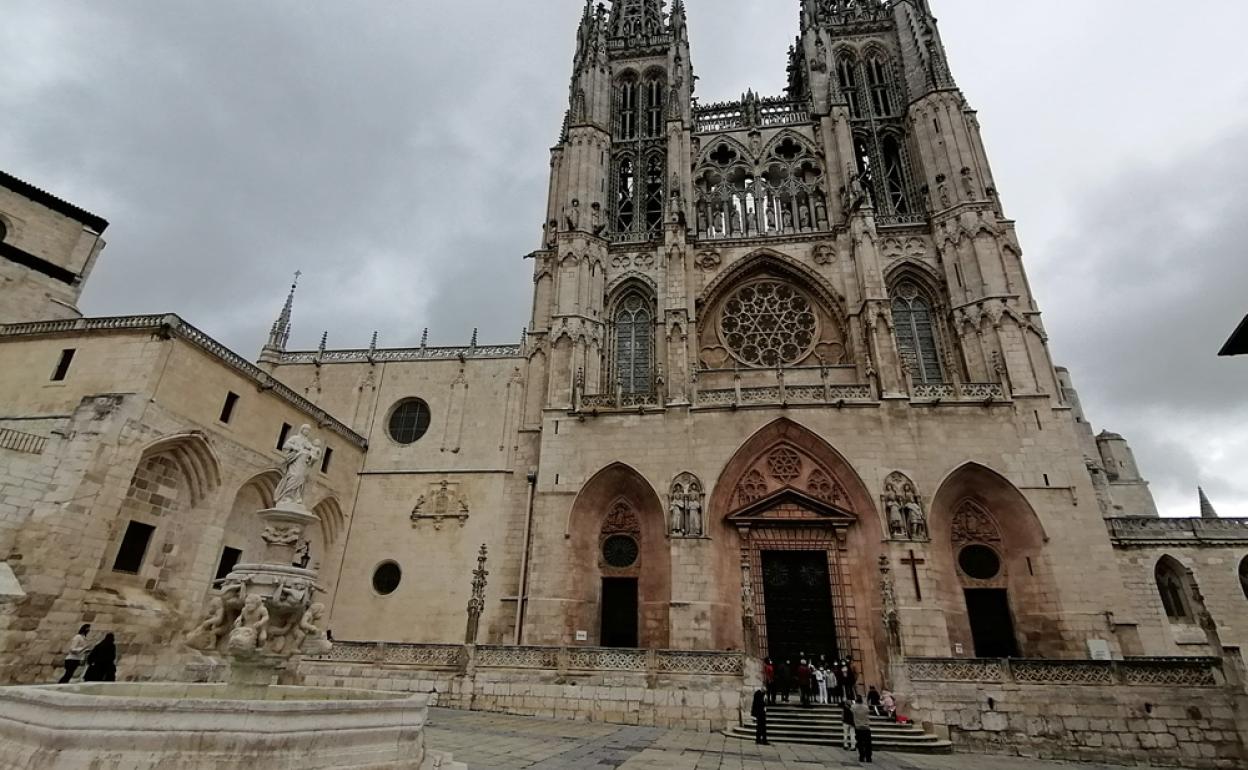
26,443
609,401
785,394
447,657
1184,672
1150,530
973,392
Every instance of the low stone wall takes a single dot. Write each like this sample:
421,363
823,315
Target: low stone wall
690,690
1151,712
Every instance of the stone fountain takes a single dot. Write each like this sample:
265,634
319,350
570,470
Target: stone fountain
261,621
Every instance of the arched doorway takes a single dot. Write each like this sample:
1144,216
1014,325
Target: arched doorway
620,566
996,589
798,523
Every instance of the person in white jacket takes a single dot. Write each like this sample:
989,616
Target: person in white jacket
78,647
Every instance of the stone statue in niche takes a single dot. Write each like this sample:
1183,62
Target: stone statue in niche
552,234
702,223
301,453
915,518
597,218
572,215
786,216
686,500
803,213
906,520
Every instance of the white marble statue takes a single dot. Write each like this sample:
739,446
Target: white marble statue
301,455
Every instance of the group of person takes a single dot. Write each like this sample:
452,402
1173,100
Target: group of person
830,684
101,657
816,682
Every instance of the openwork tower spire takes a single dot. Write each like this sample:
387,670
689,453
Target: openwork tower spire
637,18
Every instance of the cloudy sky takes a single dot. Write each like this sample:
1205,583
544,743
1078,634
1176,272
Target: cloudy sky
395,151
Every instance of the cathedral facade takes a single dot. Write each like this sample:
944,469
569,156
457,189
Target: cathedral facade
785,390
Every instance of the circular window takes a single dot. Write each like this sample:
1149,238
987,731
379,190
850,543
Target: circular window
768,323
386,578
409,421
620,551
979,562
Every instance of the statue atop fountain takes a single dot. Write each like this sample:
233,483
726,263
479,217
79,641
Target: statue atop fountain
264,616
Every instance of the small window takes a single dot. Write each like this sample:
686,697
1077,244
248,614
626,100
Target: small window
409,421
133,547
229,558
62,366
227,410
1172,587
283,435
325,458
386,578
1243,576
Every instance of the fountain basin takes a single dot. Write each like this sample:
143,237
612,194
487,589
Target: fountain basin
157,726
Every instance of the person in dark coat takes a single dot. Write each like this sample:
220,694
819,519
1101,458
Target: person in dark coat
784,673
769,679
849,680
804,681
759,712
102,661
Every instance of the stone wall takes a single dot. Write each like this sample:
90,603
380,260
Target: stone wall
695,691
1163,712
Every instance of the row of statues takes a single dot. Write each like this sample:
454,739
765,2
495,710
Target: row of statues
686,501
906,518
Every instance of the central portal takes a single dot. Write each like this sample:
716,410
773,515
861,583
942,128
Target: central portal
798,598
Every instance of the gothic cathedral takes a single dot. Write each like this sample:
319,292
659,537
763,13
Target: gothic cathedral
785,390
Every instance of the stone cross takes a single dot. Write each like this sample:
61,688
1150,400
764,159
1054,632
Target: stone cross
476,605
913,563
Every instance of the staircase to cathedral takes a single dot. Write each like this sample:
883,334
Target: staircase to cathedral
821,726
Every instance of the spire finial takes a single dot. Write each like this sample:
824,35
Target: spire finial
324,342
473,344
1206,508
279,334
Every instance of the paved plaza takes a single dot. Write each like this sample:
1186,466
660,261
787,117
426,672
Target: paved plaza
500,742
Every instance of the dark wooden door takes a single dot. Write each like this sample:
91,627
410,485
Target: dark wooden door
798,601
992,626
619,612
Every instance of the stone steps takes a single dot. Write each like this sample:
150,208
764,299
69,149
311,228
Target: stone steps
822,726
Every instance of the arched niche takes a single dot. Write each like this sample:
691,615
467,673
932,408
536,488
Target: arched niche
977,508
615,505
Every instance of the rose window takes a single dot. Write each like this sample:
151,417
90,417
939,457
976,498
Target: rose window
769,323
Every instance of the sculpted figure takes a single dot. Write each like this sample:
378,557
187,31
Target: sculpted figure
232,595
896,519
596,216
309,626
251,627
915,517
786,216
572,215
301,453
303,555
207,635
693,516
678,514
803,214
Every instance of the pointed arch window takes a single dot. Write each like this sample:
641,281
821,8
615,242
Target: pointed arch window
847,78
634,344
894,174
626,102
1243,576
625,193
1172,587
916,334
655,89
880,86
654,193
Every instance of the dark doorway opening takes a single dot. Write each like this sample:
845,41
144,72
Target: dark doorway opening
798,600
992,626
619,612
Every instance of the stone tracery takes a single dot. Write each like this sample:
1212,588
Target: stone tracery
768,323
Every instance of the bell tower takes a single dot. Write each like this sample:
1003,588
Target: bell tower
618,176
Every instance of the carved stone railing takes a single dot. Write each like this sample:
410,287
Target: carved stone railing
608,401
958,391
554,659
1184,672
760,113
782,394
366,356
173,326
900,220
27,443
1148,530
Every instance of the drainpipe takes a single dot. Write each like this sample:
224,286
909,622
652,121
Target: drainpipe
523,598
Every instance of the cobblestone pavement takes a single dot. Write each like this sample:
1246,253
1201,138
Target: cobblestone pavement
500,742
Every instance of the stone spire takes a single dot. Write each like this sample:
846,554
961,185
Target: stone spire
1206,507
636,19
279,334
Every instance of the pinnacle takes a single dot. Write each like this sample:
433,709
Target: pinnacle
1206,508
